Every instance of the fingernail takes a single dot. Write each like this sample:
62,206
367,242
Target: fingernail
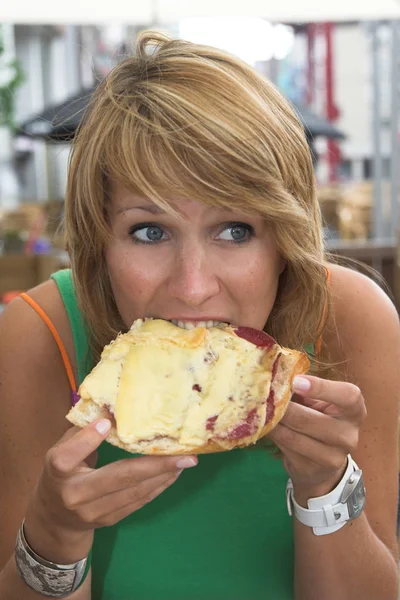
186,463
103,426
300,384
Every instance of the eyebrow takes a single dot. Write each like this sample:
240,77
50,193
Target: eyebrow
156,210
151,208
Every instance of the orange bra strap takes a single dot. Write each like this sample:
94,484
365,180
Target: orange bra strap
63,352
318,343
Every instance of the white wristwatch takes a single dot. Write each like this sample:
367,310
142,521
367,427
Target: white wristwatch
331,512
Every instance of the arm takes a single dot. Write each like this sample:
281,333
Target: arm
359,560
35,398
52,481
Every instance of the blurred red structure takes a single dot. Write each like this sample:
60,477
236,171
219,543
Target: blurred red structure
316,32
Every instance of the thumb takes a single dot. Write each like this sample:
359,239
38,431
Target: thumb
79,445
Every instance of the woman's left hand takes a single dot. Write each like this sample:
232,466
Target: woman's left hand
317,432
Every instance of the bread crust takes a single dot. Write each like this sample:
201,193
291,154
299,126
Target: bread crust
300,366
291,363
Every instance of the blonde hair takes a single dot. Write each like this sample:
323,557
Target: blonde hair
184,119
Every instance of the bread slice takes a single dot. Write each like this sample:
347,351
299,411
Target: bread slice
168,390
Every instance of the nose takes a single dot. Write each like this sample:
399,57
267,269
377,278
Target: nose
193,280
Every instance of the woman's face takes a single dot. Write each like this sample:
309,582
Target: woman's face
214,265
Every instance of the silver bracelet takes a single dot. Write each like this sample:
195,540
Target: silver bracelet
43,576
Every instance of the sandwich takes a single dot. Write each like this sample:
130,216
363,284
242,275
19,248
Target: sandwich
169,390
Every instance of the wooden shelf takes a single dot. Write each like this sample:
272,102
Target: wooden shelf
364,250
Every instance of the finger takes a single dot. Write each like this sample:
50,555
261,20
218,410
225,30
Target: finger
92,460
322,427
99,511
340,393
289,441
128,472
73,430
320,405
74,448
130,508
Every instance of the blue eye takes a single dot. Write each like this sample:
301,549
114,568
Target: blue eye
150,233
236,233
147,233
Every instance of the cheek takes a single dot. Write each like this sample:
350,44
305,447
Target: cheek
133,284
260,285
258,289
127,267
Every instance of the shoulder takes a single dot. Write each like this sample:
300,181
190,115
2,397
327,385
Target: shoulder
28,346
19,318
32,373
362,315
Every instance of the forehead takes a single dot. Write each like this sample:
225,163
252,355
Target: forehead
124,200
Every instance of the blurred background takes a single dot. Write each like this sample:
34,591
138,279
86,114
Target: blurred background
339,66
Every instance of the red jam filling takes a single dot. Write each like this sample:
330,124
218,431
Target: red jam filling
271,398
275,368
255,336
210,423
270,407
248,427
109,414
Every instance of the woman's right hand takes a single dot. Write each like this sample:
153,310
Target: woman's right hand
72,498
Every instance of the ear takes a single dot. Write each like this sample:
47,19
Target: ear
282,264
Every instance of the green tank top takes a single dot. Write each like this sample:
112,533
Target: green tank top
221,532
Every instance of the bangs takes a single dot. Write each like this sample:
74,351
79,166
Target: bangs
163,144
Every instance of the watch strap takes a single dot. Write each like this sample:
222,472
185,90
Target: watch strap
325,514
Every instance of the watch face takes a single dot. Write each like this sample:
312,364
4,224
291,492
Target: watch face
356,500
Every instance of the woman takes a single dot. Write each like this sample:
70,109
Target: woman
191,196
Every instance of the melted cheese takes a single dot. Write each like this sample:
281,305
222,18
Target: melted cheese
166,333
151,376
